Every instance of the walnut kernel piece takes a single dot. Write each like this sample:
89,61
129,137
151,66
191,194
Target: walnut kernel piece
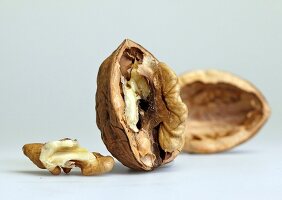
225,110
135,89
67,154
139,109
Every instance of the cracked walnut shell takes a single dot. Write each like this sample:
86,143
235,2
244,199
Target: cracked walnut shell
139,109
224,110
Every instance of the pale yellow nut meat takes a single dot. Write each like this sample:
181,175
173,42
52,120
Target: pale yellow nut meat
66,154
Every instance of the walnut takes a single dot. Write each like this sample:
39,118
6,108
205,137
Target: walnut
225,110
139,110
66,154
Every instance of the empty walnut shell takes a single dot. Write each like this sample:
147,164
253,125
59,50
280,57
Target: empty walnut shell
139,109
224,110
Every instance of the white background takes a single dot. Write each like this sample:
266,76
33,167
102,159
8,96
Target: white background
50,52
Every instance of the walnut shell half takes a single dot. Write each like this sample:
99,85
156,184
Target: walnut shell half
139,109
224,110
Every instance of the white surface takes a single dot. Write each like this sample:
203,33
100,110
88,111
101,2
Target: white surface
252,171
50,52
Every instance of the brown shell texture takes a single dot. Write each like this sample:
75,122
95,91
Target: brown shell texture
224,110
162,115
